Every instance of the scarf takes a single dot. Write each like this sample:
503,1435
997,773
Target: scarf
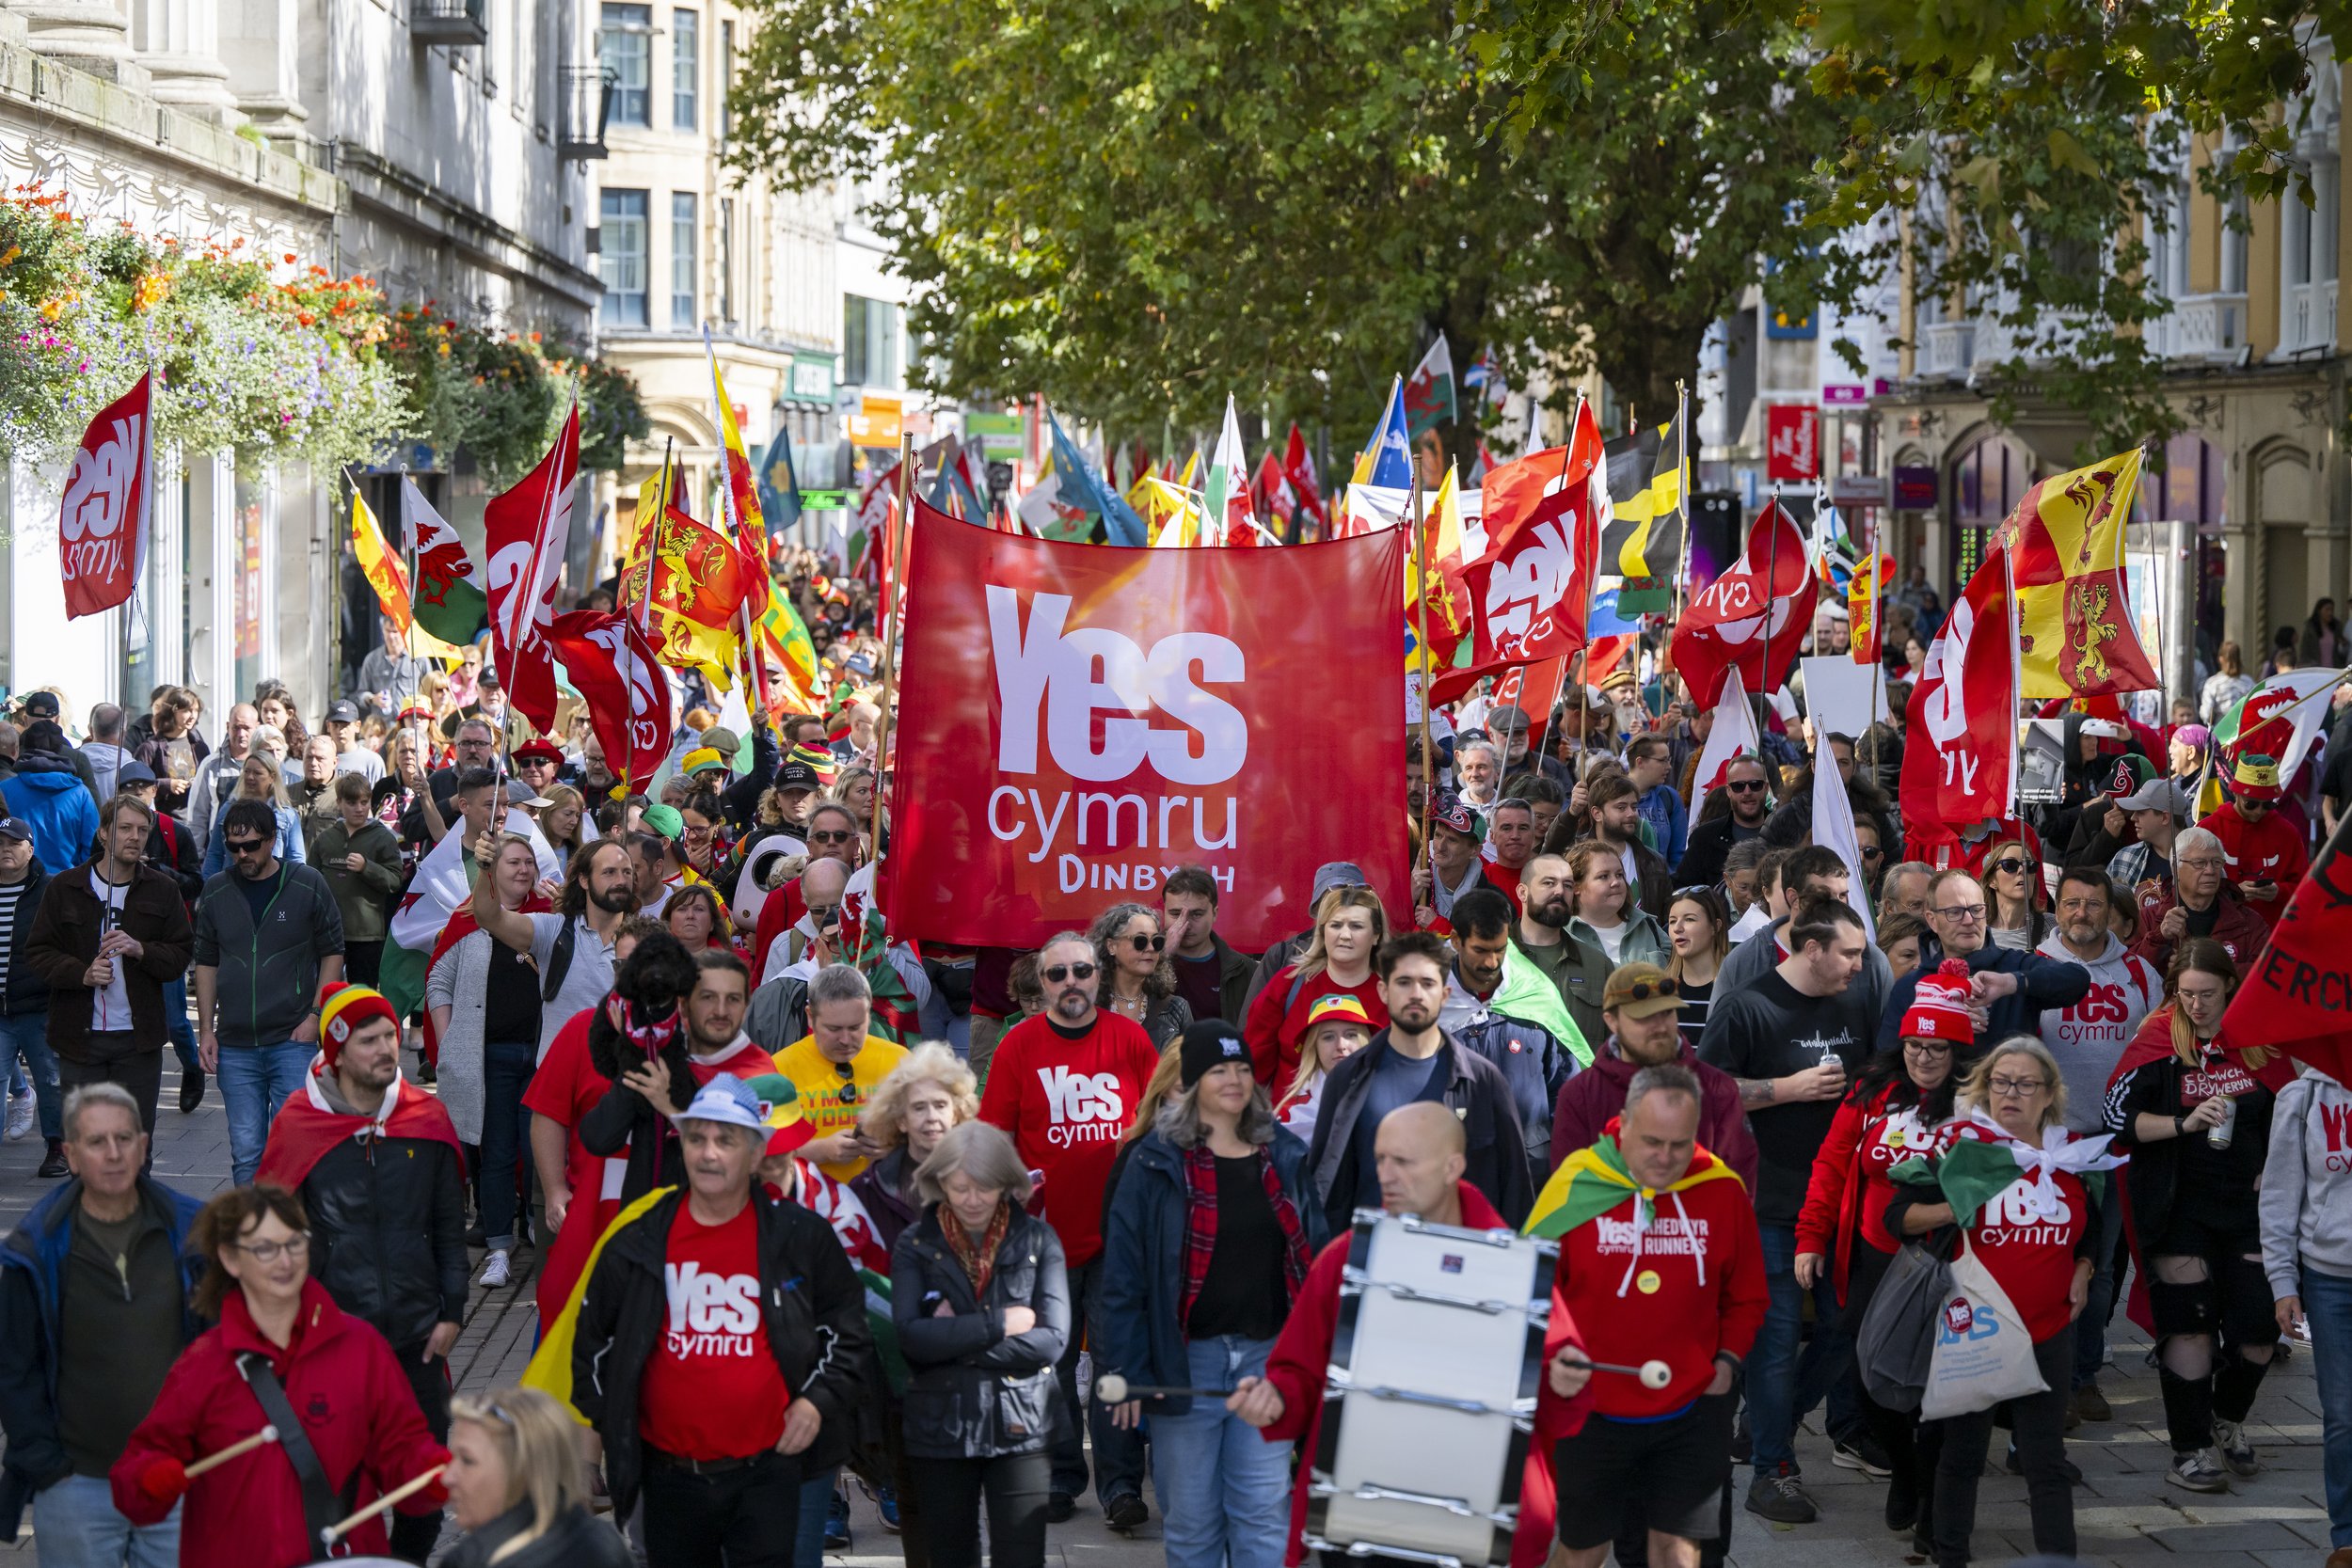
977,1258
1592,1181
651,1037
1976,1170
1199,1168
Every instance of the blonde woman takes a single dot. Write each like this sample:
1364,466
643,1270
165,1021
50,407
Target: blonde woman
258,779
561,820
927,1095
1350,926
1337,1028
517,1490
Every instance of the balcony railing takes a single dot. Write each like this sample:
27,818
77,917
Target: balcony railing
2210,327
587,103
2308,317
1945,348
457,22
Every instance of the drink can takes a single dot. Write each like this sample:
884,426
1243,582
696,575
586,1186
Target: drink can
2222,1132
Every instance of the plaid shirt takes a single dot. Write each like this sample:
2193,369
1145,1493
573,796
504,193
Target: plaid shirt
1200,1225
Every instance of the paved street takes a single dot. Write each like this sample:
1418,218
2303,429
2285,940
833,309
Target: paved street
2127,1515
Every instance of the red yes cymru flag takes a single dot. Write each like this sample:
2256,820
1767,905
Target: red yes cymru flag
109,501
1081,720
1962,719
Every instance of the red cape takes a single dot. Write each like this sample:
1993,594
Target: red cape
306,1130
2154,1041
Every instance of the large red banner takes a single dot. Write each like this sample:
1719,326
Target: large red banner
110,497
1081,720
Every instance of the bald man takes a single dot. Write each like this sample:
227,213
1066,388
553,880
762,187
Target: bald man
1418,1150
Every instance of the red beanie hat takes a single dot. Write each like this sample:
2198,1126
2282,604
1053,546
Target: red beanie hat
1939,1010
344,1008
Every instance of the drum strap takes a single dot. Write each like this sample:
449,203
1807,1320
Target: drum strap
320,1504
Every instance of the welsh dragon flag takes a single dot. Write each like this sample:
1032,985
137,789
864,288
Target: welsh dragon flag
449,598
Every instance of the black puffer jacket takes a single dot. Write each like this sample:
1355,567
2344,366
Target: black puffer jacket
576,1539
810,1302
974,1391
388,1234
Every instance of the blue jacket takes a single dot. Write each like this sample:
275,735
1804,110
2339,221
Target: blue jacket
1669,820
1136,1332
32,1264
289,841
50,797
2043,982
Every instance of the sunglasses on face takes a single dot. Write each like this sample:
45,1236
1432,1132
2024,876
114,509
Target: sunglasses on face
1059,972
243,847
1744,787
1150,944
2012,865
834,837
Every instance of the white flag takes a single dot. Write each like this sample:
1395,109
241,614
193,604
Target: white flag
1225,514
1731,736
1833,826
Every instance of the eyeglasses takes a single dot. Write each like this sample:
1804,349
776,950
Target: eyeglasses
2016,1086
1930,1048
2012,865
1150,944
1962,912
243,847
1059,972
1642,990
2200,862
1744,787
846,1092
269,1252
834,837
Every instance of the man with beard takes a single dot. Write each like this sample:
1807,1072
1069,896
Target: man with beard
2262,852
1411,1061
1617,824
1512,834
1745,787
1578,969
656,1078
1643,1011
1065,1085
1531,1060
1815,871
571,948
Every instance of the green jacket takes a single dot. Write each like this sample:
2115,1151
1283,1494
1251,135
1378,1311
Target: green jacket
366,896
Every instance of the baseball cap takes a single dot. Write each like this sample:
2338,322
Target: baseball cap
16,830
796,775
1638,991
665,820
2156,794
1451,813
521,794
2108,729
1331,874
38,704
2131,771
342,711
133,772
727,1100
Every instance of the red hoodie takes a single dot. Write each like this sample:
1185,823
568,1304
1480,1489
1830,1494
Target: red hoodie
355,1404
1302,1357
1849,1190
2271,850
1277,1020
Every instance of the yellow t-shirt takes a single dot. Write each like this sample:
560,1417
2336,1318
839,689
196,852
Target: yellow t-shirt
831,1102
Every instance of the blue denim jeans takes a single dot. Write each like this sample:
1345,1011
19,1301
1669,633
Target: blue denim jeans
176,1024
75,1526
1225,1491
24,1037
1783,1384
505,1185
2091,1329
255,1081
2327,1302
808,1543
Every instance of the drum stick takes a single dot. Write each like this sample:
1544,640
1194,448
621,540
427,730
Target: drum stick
1654,1374
394,1498
1111,1388
234,1450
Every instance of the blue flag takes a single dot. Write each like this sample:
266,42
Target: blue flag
1392,451
1083,489
779,484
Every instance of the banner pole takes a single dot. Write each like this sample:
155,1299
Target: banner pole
1682,504
1421,638
897,533
651,534
2016,676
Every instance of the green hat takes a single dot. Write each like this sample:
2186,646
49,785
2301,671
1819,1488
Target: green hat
666,821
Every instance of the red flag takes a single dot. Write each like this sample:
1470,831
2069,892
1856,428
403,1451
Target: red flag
2296,996
1533,588
527,532
1299,464
109,503
1727,622
1963,713
1090,718
613,664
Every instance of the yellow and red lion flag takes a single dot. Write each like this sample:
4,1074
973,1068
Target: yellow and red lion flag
691,612
2075,631
384,571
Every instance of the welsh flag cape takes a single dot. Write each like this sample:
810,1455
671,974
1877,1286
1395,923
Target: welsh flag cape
1972,1171
1594,1181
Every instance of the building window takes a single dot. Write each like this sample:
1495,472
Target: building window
625,47
686,44
869,343
2233,238
726,79
682,242
622,258
726,259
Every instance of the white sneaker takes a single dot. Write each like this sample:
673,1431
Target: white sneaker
21,1109
2198,1472
494,1273
2228,1439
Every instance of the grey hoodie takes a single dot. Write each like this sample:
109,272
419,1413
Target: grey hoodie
2307,1185
2086,1037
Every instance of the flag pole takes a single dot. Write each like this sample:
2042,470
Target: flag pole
1420,638
2016,676
1682,503
894,613
1772,592
652,536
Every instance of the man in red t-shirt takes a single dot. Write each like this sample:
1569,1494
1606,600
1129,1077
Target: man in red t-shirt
720,1333
1065,1085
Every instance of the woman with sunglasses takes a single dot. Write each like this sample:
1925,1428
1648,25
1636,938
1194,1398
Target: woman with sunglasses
328,1372
2035,1237
517,1489
1698,928
1350,926
2188,1106
1899,1107
2013,888
1139,978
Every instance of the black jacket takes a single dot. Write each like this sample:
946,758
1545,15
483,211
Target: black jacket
388,1234
576,1539
810,1300
882,1187
2043,982
973,1390
27,991
739,801
64,939
2152,1180
172,852
1234,972
1496,1153
1705,851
